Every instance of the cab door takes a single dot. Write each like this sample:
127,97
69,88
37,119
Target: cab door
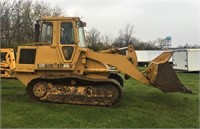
67,40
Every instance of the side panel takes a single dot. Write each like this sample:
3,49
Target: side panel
194,60
45,60
180,60
47,55
30,57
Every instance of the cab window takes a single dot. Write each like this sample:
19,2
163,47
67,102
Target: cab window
46,32
67,33
67,51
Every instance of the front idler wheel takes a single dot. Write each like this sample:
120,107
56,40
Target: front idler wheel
37,90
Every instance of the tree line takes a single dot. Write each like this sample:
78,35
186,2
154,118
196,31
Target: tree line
17,19
126,37
97,41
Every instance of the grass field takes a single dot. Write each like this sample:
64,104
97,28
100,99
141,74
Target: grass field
141,107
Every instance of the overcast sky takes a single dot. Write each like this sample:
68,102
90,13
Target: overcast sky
151,18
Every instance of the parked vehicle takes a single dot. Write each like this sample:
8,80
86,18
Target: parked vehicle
187,60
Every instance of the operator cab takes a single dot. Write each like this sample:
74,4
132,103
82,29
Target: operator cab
64,32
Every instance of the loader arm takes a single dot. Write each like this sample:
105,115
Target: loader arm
159,74
121,63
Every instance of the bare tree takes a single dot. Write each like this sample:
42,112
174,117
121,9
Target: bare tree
6,9
94,40
127,33
157,44
106,39
188,46
41,9
57,11
126,37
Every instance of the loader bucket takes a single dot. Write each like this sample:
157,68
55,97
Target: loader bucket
162,76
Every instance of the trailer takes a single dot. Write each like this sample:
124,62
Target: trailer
145,56
186,60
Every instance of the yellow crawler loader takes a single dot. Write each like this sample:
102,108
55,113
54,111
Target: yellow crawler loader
59,68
